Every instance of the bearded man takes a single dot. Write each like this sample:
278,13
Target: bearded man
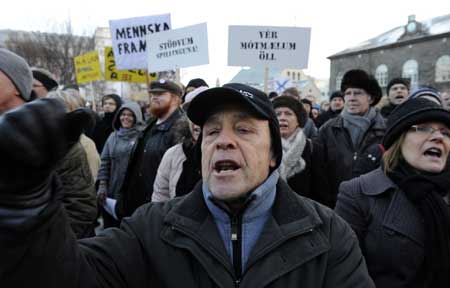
158,136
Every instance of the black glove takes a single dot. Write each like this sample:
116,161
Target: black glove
33,138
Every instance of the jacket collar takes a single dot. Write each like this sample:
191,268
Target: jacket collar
377,124
383,184
401,216
292,216
167,124
261,201
192,211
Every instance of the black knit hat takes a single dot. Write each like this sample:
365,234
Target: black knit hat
336,94
411,112
360,79
253,99
197,82
116,99
294,105
404,81
306,101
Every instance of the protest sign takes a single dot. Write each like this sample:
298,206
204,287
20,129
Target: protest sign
267,46
184,47
112,74
128,39
87,67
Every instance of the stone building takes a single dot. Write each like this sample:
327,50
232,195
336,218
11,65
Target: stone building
418,50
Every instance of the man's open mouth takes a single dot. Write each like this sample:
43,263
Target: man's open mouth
225,166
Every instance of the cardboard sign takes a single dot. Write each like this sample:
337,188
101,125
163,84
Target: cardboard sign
87,67
267,46
128,39
184,47
112,74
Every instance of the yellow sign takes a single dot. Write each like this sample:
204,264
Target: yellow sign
112,74
87,67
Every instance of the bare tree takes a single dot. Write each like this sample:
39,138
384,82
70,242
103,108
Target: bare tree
52,51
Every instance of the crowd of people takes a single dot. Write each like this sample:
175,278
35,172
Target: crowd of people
223,186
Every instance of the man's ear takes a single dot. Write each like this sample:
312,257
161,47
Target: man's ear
273,162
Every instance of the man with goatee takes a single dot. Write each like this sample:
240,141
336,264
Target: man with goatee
158,136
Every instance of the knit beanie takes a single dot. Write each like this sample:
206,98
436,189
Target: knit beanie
427,92
404,81
336,94
197,82
361,80
294,105
45,77
18,71
411,112
115,97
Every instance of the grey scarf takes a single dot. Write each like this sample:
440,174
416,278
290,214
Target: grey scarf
292,161
357,125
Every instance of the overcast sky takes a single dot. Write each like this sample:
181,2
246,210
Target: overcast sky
336,25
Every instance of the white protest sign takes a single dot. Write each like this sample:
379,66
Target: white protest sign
184,47
128,39
267,46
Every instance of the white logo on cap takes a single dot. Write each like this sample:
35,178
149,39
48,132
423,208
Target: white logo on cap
162,81
246,93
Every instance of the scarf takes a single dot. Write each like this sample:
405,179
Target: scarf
426,192
358,125
191,172
292,161
127,133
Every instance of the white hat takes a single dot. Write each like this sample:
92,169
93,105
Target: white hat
191,95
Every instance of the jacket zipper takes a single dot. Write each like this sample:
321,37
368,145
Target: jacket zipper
236,240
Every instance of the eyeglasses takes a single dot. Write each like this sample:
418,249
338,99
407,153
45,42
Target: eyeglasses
428,130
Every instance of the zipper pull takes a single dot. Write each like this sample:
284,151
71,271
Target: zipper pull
234,229
355,155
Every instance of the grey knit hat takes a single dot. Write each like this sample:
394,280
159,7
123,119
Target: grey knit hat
18,71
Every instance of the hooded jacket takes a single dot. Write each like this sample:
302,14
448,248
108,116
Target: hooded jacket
117,150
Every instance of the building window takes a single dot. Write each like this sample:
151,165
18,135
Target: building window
288,74
411,71
298,76
443,69
381,74
339,77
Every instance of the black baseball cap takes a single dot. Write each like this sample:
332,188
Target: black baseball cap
162,85
206,102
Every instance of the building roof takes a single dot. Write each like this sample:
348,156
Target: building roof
430,27
253,76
